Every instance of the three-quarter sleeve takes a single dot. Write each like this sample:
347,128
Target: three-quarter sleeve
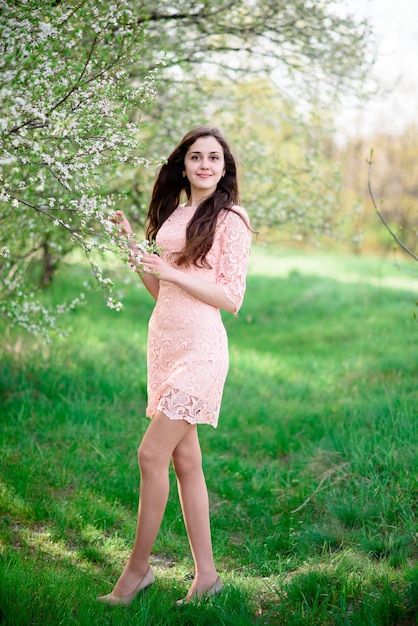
234,240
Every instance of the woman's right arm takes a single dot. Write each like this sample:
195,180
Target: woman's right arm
150,282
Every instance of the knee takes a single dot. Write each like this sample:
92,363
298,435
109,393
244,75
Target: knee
146,458
185,464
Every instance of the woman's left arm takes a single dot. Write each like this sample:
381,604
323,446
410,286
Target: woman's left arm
232,243
211,293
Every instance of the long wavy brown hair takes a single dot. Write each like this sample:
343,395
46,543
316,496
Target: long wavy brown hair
171,184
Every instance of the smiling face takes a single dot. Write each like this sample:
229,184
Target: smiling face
204,165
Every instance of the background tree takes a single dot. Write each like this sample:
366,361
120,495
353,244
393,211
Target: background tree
301,42
76,80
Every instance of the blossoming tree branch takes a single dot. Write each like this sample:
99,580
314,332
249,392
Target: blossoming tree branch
65,108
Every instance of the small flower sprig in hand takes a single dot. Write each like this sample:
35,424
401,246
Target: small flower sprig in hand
137,251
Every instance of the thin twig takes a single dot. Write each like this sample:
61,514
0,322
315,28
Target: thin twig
381,216
325,477
42,212
77,84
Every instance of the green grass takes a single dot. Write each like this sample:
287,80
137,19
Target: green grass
312,471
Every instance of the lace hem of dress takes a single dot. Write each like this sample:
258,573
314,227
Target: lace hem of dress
177,405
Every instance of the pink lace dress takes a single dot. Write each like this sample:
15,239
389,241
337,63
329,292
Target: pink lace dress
187,342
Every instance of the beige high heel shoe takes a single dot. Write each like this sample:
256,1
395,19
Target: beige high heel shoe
113,600
212,591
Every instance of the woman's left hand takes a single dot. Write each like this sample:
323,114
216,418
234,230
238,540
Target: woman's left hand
154,264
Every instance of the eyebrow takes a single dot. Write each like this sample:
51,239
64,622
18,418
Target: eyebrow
197,152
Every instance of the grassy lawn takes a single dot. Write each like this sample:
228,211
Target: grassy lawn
312,471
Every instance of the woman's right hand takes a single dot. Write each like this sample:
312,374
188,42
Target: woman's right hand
123,226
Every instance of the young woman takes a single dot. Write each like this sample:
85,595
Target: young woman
201,268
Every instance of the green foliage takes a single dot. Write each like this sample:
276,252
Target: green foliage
311,472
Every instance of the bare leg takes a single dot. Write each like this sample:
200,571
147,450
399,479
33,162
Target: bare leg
187,461
161,438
